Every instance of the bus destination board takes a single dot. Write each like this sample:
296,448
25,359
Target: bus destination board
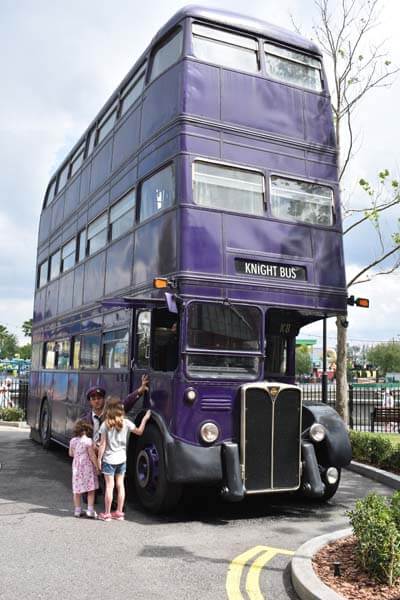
269,269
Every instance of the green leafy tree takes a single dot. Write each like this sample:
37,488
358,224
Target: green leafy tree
25,351
27,328
303,361
385,357
8,343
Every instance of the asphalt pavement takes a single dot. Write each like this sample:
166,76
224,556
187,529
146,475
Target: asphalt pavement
206,549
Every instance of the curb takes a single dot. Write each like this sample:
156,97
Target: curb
389,479
307,584
17,424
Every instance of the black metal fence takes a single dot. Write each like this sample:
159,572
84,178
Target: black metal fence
371,407
14,392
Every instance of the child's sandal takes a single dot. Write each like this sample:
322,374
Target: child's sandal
118,516
104,516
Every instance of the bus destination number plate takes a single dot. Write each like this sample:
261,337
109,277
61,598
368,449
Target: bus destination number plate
268,269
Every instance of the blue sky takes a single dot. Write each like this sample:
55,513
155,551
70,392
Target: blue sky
60,62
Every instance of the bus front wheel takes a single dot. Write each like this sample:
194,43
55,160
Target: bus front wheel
45,425
153,490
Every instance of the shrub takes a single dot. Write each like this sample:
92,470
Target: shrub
376,449
12,414
378,539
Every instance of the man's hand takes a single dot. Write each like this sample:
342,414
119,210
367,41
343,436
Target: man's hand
144,387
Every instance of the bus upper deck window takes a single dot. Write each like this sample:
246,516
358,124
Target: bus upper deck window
294,67
157,192
228,188
225,48
132,92
167,54
295,200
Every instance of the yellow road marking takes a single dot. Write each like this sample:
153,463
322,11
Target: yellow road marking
266,553
235,572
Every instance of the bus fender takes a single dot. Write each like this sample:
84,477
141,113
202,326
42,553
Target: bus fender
311,481
187,463
233,488
335,449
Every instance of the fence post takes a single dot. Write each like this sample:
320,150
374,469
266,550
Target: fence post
351,399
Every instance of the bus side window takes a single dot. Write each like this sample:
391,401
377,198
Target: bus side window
143,339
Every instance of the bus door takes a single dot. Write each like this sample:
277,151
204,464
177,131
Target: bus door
156,353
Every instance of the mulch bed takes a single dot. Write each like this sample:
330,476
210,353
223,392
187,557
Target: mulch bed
354,583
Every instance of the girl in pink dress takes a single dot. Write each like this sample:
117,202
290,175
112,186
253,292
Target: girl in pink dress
84,468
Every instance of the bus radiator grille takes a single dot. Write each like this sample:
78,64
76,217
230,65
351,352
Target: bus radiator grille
270,446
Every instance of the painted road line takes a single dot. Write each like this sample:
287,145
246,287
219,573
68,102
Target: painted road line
264,554
235,572
253,576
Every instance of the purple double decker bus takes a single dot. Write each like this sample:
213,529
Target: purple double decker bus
211,171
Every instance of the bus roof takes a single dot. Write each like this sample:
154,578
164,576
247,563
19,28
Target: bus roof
238,21
213,15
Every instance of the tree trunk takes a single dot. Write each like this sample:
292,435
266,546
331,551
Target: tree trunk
342,400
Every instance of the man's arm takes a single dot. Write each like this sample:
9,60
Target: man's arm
102,447
134,396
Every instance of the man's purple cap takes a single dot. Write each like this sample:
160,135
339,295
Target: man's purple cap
95,389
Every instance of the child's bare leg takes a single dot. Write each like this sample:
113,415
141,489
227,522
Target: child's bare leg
90,499
77,500
119,482
109,479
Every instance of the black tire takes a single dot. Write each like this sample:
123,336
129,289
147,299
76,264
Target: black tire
45,425
331,488
155,493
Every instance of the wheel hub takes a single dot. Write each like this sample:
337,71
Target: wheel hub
147,467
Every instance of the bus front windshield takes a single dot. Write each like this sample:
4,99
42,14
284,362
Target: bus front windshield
228,332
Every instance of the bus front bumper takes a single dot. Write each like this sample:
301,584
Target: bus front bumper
213,465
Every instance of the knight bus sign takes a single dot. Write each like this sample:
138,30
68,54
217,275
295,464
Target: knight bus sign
232,203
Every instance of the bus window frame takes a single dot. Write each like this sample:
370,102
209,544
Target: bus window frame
126,329
158,46
271,42
136,341
139,187
301,179
231,165
234,32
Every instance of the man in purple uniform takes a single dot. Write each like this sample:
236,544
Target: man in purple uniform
96,397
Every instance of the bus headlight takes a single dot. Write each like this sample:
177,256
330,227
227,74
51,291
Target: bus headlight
332,475
209,432
317,432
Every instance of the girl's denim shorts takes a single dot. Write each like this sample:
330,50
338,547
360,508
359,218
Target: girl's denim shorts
108,469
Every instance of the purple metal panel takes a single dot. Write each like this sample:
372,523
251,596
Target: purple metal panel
93,287
39,305
126,139
66,292
261,104
44,225
57,212
124,184
318,119
85,182
258,158
79,273
165,152
265,236
328,258
119,264
201,87
101,166
156,113
51,301
98,206
201,241
159,235
72,197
